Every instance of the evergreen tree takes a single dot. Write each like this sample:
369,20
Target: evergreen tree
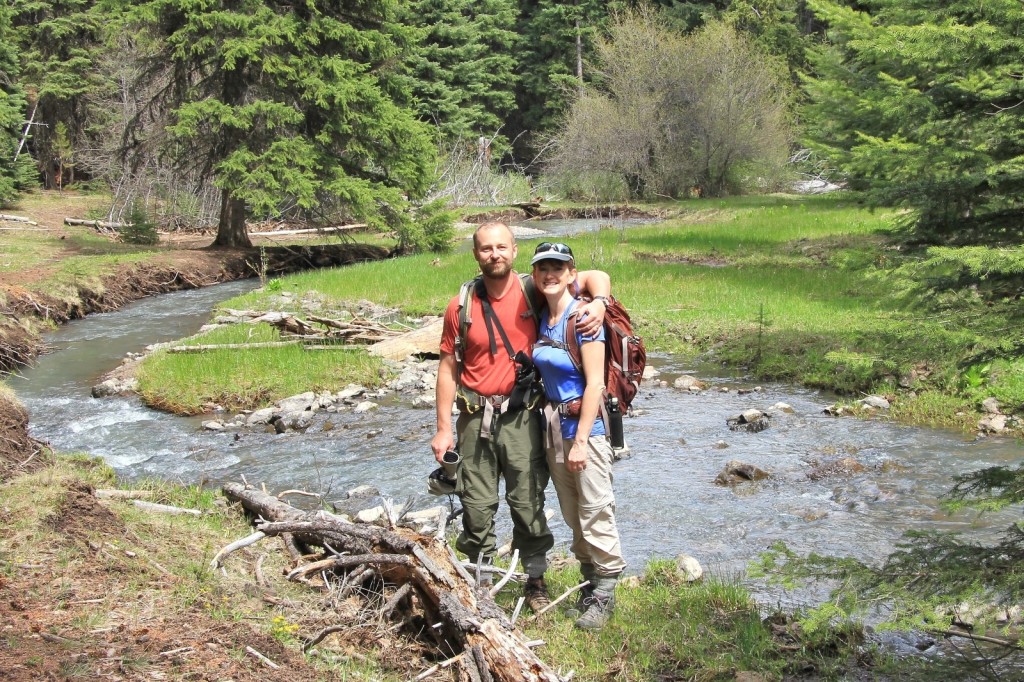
288,103
918,102
60,41
12,109
558,41
777,26
460,74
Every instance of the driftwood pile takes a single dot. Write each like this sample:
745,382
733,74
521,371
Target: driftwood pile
421,581
297,331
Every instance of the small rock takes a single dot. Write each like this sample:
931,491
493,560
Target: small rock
993,423
688,383
351,391
783,407
875,401
372,515
365,406
361,491
298,403
261,416
688,568
213,425
426,400
630,582
738,472
990,405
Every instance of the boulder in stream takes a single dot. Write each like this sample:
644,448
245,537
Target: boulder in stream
749,420
739,472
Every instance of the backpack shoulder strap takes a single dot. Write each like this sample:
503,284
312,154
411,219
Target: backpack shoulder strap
572,341
465,318
530,294
465,306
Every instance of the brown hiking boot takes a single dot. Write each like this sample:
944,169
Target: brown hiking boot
536,593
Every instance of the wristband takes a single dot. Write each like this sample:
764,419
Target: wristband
602,299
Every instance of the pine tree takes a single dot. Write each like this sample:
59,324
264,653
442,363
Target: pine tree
288,103
460,73
919,104
60,41
558,41
12,109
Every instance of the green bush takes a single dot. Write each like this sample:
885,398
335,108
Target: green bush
140,228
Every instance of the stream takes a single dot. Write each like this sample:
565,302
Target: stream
667,501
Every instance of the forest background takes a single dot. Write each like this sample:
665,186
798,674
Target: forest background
392,113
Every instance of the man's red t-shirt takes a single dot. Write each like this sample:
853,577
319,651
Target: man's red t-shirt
482,372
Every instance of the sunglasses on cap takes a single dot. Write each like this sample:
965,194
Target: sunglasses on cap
552,251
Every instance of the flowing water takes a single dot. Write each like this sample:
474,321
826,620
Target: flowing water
667,500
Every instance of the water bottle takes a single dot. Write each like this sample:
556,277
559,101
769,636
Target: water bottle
450,463
615,423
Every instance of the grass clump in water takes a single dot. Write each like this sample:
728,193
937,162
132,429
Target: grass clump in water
248,378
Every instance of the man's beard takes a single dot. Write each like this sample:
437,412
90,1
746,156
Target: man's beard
498,270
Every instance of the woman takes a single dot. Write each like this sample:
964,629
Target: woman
578,453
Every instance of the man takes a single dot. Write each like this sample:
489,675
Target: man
499,437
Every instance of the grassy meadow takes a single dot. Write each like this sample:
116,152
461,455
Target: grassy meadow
779,288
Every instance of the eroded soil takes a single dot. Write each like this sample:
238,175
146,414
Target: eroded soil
93,606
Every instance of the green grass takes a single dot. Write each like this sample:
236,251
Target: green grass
248,378
780,287
666,628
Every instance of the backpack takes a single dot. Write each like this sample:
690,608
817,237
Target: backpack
624,353
468,290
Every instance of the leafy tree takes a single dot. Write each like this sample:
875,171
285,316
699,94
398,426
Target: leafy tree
60,41
919,104
672,112
12,110
287,103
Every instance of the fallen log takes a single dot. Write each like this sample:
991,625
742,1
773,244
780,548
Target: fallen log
201,348
312,230
17,219
464,618
99,224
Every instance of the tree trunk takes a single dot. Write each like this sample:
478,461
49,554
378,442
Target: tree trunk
231,230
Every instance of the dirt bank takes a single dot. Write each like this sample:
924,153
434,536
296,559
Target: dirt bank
19,452
26,310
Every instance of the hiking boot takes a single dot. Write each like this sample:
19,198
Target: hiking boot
599,610
580,607
536,593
